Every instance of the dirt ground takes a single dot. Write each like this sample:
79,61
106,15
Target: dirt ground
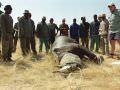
28,74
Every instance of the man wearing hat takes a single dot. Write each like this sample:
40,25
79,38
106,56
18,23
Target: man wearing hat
6,23
63,28
114,33
25,32
103,32
43,34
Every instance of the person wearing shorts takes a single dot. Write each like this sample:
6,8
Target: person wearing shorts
114,27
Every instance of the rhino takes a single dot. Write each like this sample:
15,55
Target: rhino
70,54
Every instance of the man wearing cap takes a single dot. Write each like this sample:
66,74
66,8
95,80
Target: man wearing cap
63,28
6,23
114,33
74,30
103,32
25,32
43,34
53,30
84,32
16,34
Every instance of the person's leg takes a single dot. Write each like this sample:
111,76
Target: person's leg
41,44
92,43
82,41
52,39
97,43
5,48
112,43
106,46
103,45
33,44
28,45
87,42
46,41
23,46
15,44
10,48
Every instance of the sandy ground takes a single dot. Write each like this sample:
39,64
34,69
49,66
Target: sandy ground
27,74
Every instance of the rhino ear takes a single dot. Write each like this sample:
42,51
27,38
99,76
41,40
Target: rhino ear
56,50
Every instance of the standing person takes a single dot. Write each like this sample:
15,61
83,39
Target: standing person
100,18
53,30
25,32
74,30
100,41
32,37
84,32
43,34
0,14
94,34
114,33
6,23
0,27
16,34
103,31
63,28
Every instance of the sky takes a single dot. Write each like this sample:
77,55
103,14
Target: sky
59,9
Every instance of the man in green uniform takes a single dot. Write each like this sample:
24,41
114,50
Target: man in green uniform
6,23
25,33
32,39
63,28
114,33
16,34
52,27
43,34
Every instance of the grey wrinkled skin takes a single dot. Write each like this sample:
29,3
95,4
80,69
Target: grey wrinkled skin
68,61
62,45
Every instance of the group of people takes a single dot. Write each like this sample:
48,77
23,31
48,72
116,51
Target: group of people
98,32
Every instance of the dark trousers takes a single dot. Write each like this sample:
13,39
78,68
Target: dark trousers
25,45
7,46
15,43
33,44
44,40
85,42
52,39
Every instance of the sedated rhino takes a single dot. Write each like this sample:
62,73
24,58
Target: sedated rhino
70,54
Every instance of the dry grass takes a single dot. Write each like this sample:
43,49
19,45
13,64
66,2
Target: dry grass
27,74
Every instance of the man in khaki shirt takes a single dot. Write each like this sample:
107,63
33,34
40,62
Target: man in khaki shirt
103,31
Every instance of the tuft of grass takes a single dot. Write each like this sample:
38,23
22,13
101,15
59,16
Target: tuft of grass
27,74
